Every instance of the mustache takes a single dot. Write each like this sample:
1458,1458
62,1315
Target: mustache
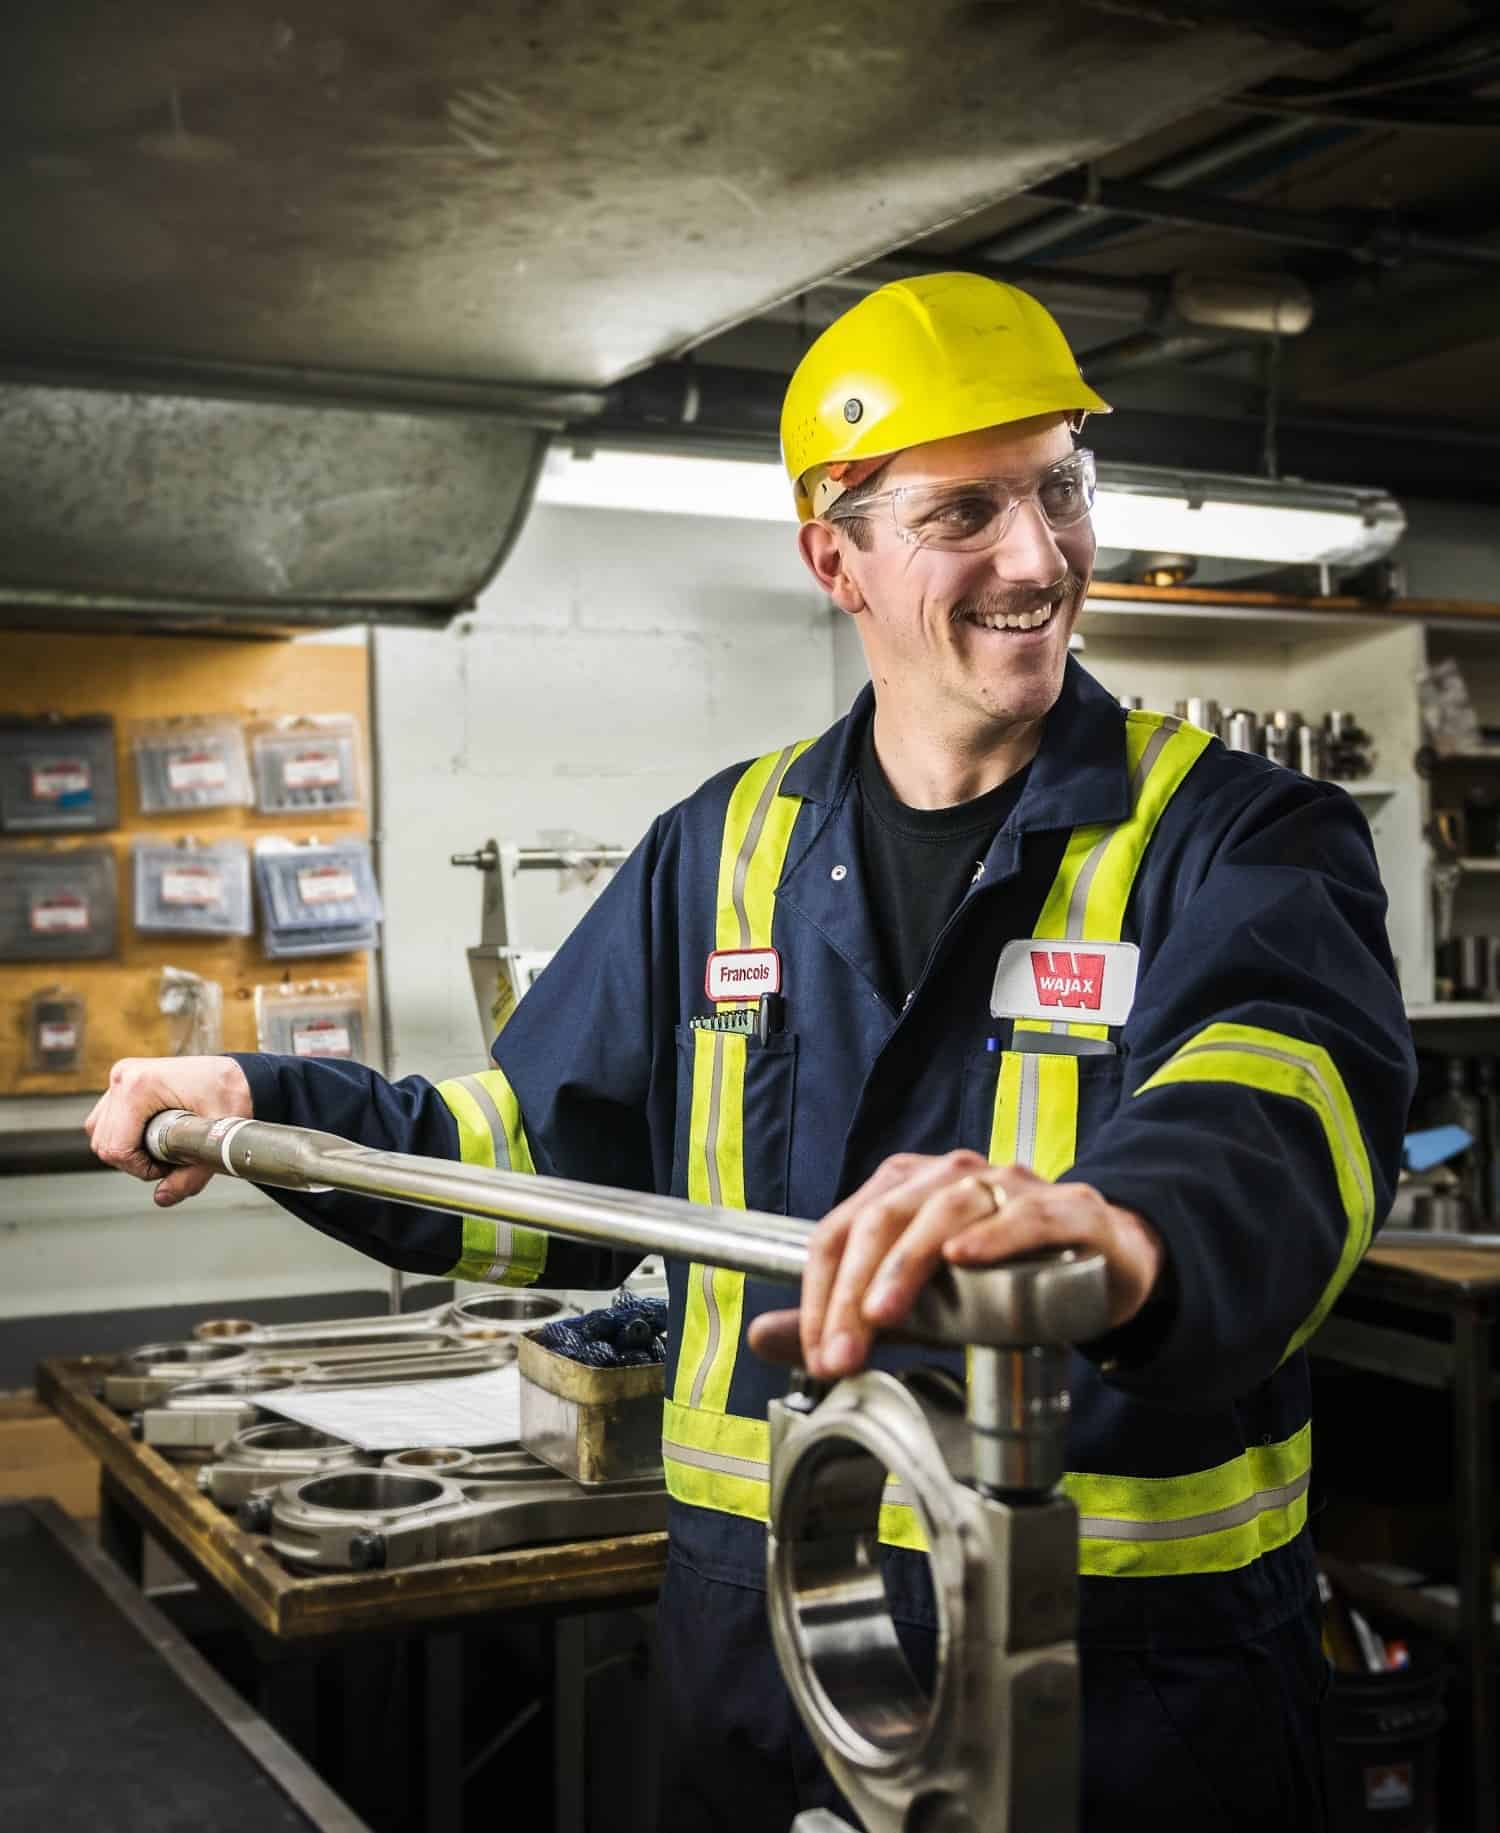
1022,598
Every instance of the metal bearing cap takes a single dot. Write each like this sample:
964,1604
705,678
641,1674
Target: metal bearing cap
506,1316
340,1521
144,1376
260,1457
993,1746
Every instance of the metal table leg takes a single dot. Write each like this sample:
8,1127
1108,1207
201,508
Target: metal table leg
442,1658
1476,1539
569,1686
120,1532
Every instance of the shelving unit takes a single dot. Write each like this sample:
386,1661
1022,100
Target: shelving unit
1313,657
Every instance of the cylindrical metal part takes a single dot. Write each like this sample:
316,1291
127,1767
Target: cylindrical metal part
1271,304
1132,703
1309,750
1277,742
1242,729
1018,1411
1207,715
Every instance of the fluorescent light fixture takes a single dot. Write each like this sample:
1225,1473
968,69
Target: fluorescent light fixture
668,482
1139,507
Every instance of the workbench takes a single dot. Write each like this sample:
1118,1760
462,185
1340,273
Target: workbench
290,1620
1461,1285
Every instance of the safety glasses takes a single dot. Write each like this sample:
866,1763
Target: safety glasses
966,514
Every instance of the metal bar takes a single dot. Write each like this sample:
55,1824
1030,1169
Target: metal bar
1396,1354
294,1158
537,859
1000,1306
46,1149
1474,1508
1423,1237
1260,222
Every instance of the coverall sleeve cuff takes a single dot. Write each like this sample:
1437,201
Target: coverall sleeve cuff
261,1072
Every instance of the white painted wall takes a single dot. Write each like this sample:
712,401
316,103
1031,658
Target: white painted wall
617,661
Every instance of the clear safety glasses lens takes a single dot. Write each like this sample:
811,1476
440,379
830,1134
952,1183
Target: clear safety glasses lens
975,513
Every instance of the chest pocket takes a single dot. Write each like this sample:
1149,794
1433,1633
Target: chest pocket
735,1101
1038,1109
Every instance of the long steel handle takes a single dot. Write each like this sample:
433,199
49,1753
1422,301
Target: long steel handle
1057,1298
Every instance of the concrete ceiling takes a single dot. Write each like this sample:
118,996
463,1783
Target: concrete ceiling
555,192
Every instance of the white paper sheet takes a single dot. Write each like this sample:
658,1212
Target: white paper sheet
462,1410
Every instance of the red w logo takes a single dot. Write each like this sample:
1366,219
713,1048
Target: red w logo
1068,980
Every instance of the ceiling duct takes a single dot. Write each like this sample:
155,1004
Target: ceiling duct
247,515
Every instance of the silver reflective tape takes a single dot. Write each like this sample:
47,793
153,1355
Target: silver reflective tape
1027,1102
715,1331
485,1102
1186,1527
752,840
720,1461
725,1464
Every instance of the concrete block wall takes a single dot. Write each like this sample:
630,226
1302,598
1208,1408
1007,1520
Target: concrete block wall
617,660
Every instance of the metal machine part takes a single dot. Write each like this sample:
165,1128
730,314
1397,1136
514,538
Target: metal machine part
261,1457
202,1415
146,1375
363,1520
994,1746
424,1326
958,1306
507,1315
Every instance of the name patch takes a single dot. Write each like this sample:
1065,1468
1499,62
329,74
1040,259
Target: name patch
1092,982
742,973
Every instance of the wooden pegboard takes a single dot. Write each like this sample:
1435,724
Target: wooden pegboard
141,678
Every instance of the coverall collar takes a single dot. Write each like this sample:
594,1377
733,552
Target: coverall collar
1077,778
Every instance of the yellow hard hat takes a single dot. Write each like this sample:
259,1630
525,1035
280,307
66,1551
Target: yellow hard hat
919,360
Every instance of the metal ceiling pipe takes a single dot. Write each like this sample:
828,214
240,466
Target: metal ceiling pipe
1219,158
1144,350
1378,243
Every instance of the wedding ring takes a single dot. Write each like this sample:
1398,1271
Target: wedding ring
995,1192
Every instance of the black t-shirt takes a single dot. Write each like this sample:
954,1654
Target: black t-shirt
919,862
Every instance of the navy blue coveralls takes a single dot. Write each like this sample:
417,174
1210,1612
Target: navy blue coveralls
1249,1099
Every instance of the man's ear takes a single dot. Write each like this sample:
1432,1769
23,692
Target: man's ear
825,557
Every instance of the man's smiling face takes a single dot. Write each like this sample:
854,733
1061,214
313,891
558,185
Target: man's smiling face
984,632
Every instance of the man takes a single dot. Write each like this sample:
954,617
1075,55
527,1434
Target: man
1034,971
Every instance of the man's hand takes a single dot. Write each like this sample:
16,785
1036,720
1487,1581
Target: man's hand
142,1086
869,1257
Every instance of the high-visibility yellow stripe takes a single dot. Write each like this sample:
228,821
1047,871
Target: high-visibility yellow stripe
757,832
1091,892
1036,1112
490,1132
1036,1097
1277,1064
722,1461
1212,1520
1057,1116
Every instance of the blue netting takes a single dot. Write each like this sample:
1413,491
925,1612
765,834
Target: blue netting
631,1333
